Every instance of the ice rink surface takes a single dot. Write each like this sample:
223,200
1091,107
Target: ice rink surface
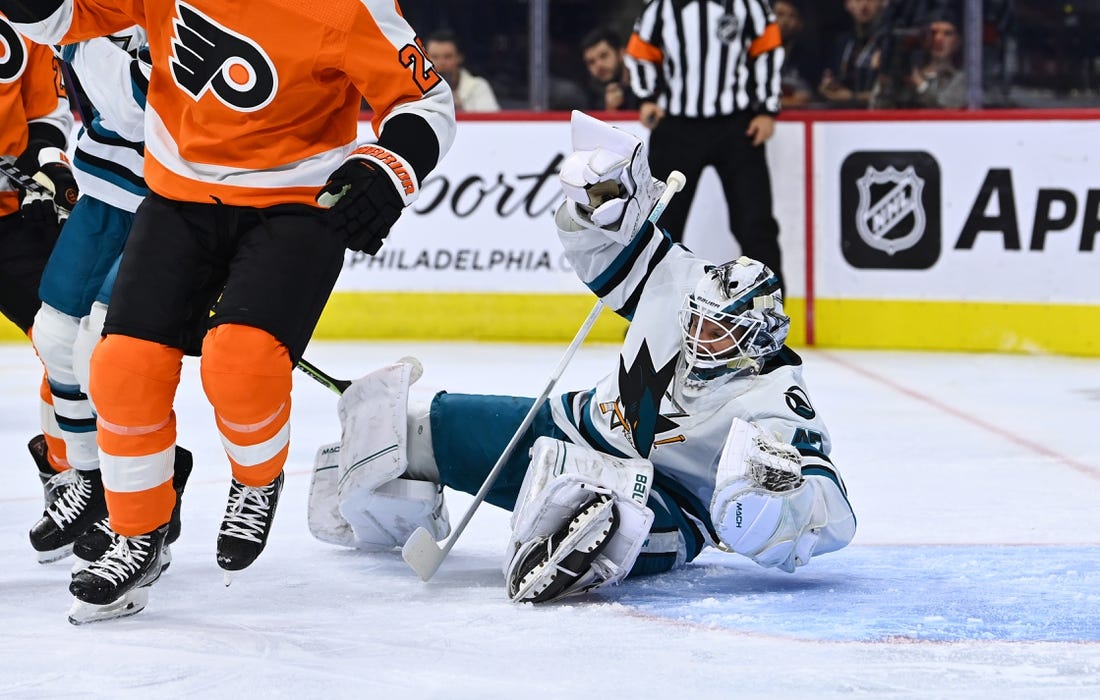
975,572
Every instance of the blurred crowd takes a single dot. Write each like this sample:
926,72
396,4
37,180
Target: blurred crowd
847,54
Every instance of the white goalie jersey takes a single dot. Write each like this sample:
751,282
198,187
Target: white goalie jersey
641,411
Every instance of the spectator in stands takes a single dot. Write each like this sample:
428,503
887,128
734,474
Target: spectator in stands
471,93
609,81
856,57
939,82
799,73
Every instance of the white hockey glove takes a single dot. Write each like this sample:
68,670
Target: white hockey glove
606,180
762,507
579,523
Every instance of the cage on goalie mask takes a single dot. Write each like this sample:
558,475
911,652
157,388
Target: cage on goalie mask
731,322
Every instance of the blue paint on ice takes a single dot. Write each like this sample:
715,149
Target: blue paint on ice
929,593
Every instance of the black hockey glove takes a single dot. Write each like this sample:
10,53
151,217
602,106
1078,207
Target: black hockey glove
53,198
366,196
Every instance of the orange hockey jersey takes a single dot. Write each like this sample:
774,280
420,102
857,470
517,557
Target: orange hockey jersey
256,103
30,92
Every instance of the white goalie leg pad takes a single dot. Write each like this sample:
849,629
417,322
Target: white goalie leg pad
374,430
571,496
762,507
386,517
323,511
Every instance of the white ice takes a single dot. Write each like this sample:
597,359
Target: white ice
975,571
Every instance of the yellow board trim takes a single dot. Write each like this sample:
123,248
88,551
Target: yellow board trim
484,317
1063,329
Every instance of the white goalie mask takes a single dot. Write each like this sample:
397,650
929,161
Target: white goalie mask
730,324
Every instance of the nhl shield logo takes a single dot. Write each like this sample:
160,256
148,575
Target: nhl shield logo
727,27
890,216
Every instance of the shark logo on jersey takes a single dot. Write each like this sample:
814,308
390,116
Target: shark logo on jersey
13,53
799,402
207,56
881,221
641,389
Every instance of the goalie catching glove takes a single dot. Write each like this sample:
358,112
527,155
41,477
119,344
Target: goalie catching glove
579,522
52,203
366,195
766,510
606,180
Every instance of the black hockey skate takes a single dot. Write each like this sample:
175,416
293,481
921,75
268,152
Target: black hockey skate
246,524
547,568
38,450
93,542
116,584
79,503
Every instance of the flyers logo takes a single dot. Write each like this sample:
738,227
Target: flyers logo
209,57
13,53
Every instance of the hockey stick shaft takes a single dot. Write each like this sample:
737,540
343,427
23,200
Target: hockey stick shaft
421,552
337,386
9,169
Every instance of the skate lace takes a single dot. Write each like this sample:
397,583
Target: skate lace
125,557
75,493
247,513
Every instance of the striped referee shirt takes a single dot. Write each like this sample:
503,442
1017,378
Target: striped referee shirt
707,58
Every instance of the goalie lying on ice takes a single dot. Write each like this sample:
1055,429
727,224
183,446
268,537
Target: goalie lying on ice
703,435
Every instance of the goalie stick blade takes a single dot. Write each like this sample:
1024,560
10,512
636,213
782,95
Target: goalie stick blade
131,603
422,554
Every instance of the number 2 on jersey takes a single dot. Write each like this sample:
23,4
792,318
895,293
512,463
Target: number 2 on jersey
414,56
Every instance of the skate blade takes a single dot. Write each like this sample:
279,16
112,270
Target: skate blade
132,603
228,576
54,554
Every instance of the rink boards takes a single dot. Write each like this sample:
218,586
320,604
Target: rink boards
908,230
911,230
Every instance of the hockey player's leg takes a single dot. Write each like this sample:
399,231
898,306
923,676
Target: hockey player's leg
376,487
579,523
246,374
134,383
68,514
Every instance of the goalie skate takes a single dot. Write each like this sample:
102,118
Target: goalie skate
549,566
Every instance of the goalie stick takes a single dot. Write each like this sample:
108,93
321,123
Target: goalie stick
421,552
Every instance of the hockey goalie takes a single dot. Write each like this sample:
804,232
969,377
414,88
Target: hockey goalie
703,435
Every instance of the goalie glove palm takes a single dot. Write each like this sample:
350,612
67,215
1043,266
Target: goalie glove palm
366,196
606,179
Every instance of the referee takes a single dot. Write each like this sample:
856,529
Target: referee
706,73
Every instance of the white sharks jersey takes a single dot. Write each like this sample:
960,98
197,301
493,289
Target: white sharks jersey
108,162
636,409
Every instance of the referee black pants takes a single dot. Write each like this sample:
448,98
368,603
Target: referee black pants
689,145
